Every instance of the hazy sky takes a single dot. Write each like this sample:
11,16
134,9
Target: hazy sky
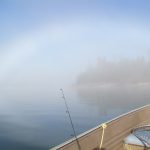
47,44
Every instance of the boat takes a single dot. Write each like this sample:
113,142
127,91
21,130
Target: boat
130,131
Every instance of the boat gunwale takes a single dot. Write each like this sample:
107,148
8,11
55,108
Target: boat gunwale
99,126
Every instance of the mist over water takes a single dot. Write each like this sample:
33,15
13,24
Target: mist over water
120,84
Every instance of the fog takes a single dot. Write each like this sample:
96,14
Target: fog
116,84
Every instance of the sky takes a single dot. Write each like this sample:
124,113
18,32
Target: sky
46,45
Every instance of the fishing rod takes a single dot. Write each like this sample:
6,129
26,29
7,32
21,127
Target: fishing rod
71,122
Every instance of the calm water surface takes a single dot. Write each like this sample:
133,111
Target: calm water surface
41,122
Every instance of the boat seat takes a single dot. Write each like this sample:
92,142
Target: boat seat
139,139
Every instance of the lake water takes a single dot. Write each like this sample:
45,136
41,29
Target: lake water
41,122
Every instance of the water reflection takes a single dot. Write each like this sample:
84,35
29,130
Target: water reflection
41,121
31,124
